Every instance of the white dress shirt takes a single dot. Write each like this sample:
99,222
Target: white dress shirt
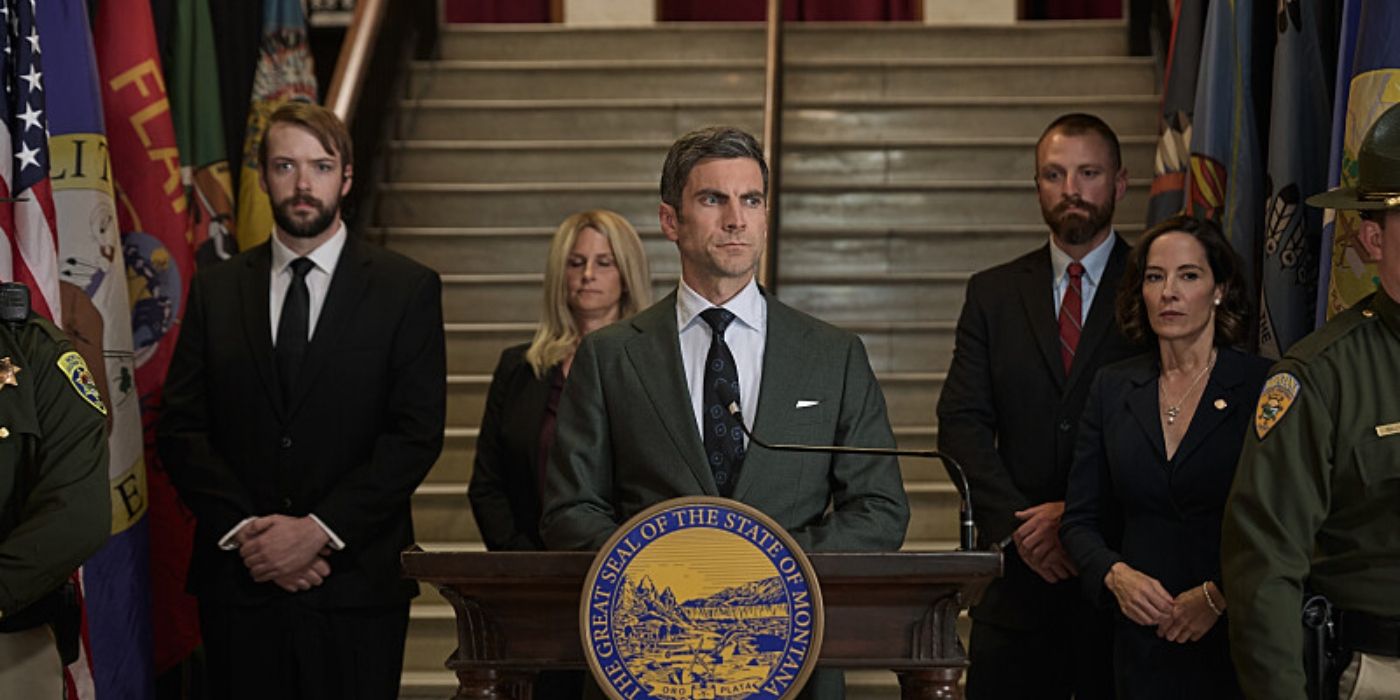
318,282
318,279
746,337
1094,264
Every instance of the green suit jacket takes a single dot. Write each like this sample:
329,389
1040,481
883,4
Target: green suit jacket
627,436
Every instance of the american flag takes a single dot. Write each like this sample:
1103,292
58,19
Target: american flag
26,195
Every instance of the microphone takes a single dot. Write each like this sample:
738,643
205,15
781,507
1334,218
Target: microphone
966,530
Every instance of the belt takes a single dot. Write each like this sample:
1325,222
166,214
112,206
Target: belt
1358,631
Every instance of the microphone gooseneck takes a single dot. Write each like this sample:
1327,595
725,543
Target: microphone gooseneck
967,539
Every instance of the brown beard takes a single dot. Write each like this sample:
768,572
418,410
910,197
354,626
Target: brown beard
282,214
1078,229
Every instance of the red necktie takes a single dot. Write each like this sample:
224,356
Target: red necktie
1071,311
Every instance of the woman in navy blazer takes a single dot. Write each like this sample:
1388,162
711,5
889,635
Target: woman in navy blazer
1156,453
596,274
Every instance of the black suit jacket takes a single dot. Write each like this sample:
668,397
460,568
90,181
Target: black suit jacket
1009,413
1170,509
1128,502
350,443
505,489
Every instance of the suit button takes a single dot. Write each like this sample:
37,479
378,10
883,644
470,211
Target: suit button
286,442
1065,425
287,503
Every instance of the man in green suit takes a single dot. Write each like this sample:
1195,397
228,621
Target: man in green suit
644,415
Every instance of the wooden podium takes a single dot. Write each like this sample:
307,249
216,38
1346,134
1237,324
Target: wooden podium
517,613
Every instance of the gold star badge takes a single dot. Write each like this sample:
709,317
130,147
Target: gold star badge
8,370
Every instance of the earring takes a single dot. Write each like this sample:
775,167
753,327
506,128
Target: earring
1217,301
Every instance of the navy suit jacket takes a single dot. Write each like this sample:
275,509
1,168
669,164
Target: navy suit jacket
1167,513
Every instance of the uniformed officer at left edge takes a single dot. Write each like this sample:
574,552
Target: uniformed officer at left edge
55,510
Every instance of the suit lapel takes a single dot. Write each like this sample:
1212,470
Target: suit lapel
1142,403
348,285
655,355
785,364
1101,312
1037,296
1223,378
533,402
253,286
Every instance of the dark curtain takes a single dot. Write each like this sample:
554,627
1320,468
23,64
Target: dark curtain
793,10
237,36
489,11
1074,9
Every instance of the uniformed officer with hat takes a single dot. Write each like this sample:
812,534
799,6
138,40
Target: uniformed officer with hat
55,510
1311,540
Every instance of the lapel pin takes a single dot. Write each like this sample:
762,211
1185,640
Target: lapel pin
1220,404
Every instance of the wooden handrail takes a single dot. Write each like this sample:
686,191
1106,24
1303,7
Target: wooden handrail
772,137
351,67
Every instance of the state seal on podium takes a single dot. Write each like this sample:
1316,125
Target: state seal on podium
701,598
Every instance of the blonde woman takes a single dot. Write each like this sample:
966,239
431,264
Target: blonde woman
596,274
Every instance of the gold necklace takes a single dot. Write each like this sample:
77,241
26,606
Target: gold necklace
1174,409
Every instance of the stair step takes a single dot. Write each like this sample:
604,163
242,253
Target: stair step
934,117
441,512
459,449
894,346
908,249
1132,114
911,204
835,298
476,347
805,204
802,79
909,396
510,297
514,80
504,250
466,161
561,119
746,40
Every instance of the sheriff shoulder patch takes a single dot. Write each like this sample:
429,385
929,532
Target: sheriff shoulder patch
1274,401
78,375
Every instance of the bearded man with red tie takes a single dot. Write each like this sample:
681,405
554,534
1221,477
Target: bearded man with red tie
1032,334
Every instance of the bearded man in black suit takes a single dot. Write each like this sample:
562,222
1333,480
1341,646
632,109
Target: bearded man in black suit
304,405
1032,334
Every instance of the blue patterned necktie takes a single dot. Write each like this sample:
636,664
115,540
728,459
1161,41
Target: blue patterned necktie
724,441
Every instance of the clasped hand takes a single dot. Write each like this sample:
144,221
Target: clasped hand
290,552
1038,542
1184,618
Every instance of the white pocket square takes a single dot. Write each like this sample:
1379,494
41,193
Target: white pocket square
804,403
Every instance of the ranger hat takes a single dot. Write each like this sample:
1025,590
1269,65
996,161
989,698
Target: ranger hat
1378,170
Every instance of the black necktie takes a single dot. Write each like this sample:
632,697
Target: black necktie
292,327
724,441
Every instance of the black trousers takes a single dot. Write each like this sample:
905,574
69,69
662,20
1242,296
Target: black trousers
287,650
1056,663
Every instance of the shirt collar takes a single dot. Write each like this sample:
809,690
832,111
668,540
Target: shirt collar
1387,308
1094,262
748,306
325,256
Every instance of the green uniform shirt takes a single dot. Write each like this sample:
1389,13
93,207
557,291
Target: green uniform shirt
55,510
1316,498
